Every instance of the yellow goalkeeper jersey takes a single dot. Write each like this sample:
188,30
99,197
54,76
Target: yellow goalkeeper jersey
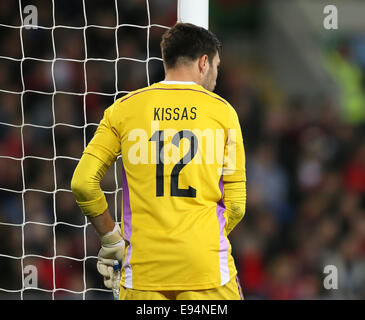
179,143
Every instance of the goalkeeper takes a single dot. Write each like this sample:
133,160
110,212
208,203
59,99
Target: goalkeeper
176,215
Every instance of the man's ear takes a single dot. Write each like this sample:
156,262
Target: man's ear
203,64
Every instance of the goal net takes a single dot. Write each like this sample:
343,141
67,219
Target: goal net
61,64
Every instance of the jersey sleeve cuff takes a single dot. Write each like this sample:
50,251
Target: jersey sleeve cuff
233,175
93,208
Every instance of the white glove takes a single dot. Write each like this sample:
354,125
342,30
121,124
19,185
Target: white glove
112,249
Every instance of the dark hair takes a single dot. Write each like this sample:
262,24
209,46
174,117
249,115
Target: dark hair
186,40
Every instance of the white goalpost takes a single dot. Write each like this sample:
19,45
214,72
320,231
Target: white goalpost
195,12
19,263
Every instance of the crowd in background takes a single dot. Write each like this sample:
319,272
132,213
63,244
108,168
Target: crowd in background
305,161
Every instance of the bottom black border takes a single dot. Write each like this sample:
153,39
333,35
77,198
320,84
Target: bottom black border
318,309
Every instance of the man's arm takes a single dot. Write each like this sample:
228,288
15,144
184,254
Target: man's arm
234,173
85,186
103,223
98,156
235,201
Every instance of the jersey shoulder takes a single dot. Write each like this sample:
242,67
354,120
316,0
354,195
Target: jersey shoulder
220,101
216,96
223,101
133,93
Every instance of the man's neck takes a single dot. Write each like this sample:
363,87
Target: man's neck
181,75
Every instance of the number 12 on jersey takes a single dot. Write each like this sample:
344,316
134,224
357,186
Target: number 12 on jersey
158,137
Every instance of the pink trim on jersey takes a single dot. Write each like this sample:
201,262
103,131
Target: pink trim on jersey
127,222
127,214
223,244
178,89
239,288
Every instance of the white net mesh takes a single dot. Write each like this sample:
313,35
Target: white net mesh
56,81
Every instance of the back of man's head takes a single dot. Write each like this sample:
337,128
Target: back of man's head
186,42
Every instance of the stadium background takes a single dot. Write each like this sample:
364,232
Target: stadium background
300,101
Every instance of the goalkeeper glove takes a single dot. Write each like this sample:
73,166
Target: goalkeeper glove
112,249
